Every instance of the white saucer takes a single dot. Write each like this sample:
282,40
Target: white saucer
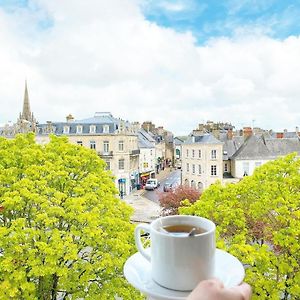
137,271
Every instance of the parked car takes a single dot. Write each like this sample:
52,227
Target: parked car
168,187
152,184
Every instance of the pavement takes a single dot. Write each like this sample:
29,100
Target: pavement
145,210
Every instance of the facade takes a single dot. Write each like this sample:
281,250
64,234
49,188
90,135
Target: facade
202,161
164,144
114,140
147,158
178,141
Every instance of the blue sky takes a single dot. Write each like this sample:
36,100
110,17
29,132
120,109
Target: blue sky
176,63
215,18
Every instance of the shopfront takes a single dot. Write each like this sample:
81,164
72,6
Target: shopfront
122,187
145,176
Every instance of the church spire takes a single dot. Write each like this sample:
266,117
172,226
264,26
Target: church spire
26,115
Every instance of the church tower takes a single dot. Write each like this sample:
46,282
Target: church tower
26,122
26,114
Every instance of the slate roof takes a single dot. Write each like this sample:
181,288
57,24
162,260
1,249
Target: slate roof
99,120
259,147
203,139
231,146
145,140
179,140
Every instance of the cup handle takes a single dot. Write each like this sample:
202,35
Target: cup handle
138,242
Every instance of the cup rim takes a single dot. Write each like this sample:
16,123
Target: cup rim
152,226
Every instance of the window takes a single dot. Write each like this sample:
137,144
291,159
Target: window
121,145
105,129
121,164
187,153
213,170
193,184
200,186
107,165
194,168
213,154
199,169
257,164
66,129
79,143
199,153
79,129
106,146
187,167
92,129
193,153
93,145
226,167
245,168
151,153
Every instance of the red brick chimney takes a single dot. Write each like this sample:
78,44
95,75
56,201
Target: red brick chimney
229,134
279,135
247,131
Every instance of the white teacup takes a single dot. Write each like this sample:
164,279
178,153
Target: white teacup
179,262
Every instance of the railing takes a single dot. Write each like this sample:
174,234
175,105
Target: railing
135,152
105,153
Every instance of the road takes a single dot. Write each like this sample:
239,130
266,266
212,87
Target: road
173,177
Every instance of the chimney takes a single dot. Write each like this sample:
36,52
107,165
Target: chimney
69,118
229,134
247,131
279,135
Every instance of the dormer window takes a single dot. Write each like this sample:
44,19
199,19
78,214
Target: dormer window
79,129
105,128
92,129
66,129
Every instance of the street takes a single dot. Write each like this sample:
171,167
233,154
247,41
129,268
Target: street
172,177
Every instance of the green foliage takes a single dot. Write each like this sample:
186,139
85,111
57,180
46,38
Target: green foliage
63,233
258,220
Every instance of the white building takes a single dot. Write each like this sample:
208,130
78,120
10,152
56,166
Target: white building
147,158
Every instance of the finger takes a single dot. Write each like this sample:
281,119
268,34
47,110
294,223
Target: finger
212,283
244,289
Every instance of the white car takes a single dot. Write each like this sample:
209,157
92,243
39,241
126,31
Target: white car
151,184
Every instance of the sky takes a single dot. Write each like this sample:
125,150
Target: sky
176,63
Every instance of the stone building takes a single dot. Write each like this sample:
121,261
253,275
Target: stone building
114,140
202,161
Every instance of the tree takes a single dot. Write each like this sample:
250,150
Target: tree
63,234
258,220
171,201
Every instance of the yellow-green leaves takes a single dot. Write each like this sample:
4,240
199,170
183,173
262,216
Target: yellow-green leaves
62,230
258,220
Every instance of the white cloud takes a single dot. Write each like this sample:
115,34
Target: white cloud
106,57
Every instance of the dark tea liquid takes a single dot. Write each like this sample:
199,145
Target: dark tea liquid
182,230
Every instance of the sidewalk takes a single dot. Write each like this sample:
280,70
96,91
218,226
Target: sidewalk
145,211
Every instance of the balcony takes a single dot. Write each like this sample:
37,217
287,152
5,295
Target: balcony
135,152
105,153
